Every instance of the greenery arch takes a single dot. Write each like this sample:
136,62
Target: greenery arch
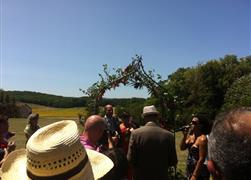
134,75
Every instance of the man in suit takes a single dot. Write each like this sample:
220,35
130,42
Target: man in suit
112,125
151,149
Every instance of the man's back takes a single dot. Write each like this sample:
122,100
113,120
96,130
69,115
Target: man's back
151,152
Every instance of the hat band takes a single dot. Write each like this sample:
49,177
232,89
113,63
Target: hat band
66,175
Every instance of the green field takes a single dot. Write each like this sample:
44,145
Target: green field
49,115
45,111
18,124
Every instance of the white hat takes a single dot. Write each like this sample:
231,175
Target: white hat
149,110
55,152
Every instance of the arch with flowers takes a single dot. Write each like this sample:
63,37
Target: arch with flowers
136,76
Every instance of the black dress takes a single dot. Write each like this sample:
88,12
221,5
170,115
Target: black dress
193,157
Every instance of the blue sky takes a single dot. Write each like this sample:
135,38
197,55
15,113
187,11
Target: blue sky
59,46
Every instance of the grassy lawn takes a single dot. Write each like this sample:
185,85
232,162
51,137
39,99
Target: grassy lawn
45,111
182,155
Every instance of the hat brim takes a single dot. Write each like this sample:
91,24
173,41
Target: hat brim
150,113
15,165
100,163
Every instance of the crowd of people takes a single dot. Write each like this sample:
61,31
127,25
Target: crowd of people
111,148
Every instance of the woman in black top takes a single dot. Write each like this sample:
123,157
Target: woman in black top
196,143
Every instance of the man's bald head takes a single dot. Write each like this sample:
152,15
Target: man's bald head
94,122
229,144
108,106
109,110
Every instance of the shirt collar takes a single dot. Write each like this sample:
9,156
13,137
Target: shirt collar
151,123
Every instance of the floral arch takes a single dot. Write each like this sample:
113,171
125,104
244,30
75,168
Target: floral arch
136,76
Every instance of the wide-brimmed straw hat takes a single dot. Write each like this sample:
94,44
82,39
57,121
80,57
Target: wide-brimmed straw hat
149,110
55,152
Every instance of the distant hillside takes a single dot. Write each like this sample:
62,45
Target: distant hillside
66,102
48,99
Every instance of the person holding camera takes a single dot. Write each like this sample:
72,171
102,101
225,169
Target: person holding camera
195,141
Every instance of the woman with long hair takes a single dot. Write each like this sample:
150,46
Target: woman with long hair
195,141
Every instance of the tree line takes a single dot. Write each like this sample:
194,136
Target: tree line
61,101
209,88
47,99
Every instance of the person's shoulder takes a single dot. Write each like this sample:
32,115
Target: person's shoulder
166,132
203,139
135,131
27,129
139,130
160,129
145,129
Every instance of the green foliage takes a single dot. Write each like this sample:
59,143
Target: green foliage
201,89
239,93
134,108
8,105
120,101
7,99
1,96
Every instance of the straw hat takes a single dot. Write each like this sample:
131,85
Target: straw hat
149,110
55,152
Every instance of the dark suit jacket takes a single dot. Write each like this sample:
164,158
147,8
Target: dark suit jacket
151,151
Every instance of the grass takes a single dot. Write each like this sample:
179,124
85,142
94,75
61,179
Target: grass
45,111
182,155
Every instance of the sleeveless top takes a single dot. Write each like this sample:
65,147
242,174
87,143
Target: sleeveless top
192,158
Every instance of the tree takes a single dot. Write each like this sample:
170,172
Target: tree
7,99
1,96
238,94
201,89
